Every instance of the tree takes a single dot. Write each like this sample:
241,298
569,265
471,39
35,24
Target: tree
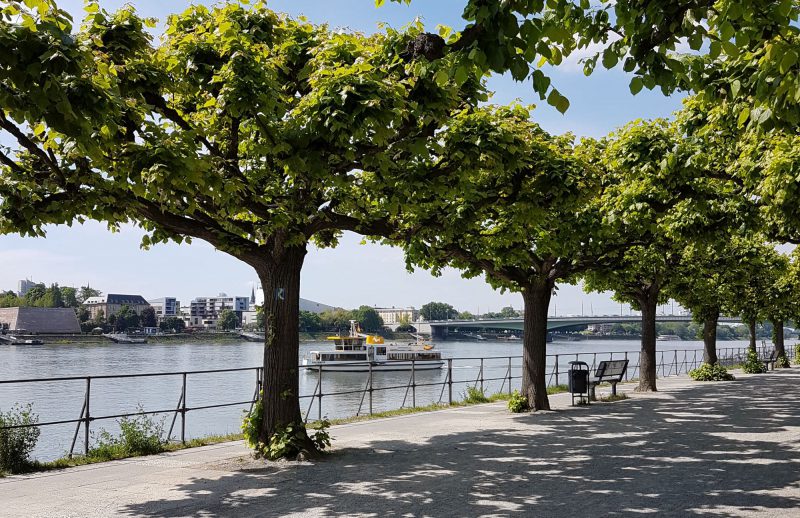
518,214
227,320
10,300
124,319
174,324
34,294
743,54
310,322
148,317
368,319
438,311
247,129
85,292
509,312
69,297
663,195
336,320
465,315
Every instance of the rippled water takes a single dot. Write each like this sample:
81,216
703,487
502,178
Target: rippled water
64,399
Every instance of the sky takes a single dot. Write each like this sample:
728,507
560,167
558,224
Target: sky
354,273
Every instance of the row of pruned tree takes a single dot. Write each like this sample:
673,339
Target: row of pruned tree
262,134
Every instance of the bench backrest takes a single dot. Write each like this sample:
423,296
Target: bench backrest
611,370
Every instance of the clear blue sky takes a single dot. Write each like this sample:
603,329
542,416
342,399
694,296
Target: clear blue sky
351,274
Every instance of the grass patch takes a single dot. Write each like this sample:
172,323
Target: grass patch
613,397
557,389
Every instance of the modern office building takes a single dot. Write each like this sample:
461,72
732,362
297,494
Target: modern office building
204,311
166,307
24,286
111,303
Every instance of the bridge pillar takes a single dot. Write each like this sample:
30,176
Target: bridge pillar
439,332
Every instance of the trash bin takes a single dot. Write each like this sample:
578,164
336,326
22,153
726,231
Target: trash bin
578,382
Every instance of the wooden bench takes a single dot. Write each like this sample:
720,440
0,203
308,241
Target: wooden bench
608,371
769,361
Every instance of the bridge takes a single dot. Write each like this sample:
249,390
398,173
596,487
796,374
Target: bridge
440,328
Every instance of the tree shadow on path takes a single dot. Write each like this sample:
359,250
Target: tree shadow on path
726,449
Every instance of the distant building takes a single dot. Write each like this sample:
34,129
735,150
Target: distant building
166,307
392,316
305,304
40,320
111,303
23,287
249,317
205,311
600,329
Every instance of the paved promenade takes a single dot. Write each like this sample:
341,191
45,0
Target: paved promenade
702,449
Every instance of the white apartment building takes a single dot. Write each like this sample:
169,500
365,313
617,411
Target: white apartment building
166,307
204,311
392,316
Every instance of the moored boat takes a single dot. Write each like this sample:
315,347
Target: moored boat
359,352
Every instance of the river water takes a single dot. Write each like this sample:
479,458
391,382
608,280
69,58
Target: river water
62,400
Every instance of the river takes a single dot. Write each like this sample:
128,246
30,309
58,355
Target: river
63,400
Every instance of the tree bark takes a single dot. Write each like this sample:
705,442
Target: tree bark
710,338
534,345
777,333
280,281
751,325
647,356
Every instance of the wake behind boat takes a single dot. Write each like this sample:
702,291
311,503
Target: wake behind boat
360,353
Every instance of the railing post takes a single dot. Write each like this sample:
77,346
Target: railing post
509,374
370,388
450,381
626,370
557,380
481,375
183,411
87,418
413,383
319,383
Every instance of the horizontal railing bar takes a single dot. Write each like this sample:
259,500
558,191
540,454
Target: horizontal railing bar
135,375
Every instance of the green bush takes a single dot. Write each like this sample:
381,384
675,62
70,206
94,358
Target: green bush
475,395
797,354
287,442
706,372
17,444
139,435
753,365
782,361
518,403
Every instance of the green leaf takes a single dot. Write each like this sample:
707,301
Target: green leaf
610,58
736,85
211,102
441,78
636,85
379,3
743,116
788,61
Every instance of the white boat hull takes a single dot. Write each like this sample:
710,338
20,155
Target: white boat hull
419,365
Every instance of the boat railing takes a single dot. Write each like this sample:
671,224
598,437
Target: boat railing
499,374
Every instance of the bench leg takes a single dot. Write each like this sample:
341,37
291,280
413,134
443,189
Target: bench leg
592,396
613,389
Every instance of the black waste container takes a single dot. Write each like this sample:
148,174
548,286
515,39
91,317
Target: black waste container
578,381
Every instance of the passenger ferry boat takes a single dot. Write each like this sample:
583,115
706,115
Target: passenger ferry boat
357,352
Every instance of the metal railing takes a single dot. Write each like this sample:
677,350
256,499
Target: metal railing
670,363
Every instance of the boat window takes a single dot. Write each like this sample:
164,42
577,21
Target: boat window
343,357
380,350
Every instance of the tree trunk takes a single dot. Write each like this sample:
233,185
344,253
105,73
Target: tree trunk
280,280
647,356
777,333
710,338
534,345
751,325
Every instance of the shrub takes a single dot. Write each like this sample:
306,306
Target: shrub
518,403
17,444
753,365
286,442
797,354
139,435
613,397
475,395
706,372
782,361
